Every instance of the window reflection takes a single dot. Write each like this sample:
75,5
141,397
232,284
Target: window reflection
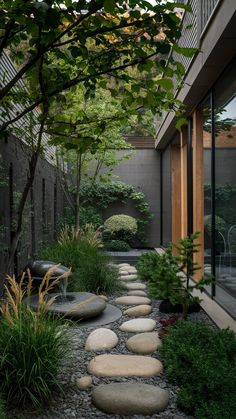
225,189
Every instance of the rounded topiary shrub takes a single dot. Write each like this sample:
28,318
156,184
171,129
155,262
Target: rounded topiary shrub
121,227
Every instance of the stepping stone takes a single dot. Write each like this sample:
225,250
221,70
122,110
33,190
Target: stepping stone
130,398
101,339
132,270
84,383
124,366
130,300
104,297
128,277
137,311
135,286
121,265
138,325
125,273
144,343
137,292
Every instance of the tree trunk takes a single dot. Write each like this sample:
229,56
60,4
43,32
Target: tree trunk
78,182
29,183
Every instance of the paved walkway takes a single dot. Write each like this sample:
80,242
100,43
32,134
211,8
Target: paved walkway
127,398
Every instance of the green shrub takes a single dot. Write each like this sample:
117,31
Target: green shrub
102,195
2,410
68,254
146,264
121,227
117,246
220,224
90,266
202,361
94,273
32,346
161,273
89,215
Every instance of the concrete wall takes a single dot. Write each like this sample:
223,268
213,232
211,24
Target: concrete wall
142,171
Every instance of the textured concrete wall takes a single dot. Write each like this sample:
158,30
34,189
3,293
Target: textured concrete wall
142,171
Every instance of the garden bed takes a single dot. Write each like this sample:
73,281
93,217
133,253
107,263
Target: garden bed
75,403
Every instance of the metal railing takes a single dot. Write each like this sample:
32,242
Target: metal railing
7,72
194,24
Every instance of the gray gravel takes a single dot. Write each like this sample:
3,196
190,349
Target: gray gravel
74,403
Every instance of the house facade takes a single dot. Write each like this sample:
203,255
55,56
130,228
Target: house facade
198,164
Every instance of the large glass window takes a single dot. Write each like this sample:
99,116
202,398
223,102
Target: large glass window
207,156
225,189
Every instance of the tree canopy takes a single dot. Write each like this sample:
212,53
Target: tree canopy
60,44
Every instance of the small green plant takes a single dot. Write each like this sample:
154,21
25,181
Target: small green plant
89,233
32,344
94,272
202,361
164,283
147,263
186,249
91,270
2,409
163,274
121,227
66,254
89,215
220,224
117,246
102,195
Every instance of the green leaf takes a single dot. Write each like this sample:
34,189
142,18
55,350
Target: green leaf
187,52
180,123
109,5
167,84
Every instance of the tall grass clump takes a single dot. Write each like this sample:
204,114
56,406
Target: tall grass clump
81,250
94,273
32,344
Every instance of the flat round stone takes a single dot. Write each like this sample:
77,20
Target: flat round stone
101,339
130,398
77,305
84,383
121,265
124,366
144,343
137,311
138,293
131,270
104,297
128,278
138,325
135,286
123,272
130,300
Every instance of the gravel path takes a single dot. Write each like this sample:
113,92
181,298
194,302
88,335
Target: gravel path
74,403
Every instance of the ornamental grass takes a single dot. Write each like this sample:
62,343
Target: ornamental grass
32,343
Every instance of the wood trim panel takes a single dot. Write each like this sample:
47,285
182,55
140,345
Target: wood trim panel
198,188
176,192
183,158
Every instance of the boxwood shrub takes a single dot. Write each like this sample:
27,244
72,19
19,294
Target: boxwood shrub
202,361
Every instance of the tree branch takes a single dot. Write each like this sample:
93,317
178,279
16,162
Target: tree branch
74,82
